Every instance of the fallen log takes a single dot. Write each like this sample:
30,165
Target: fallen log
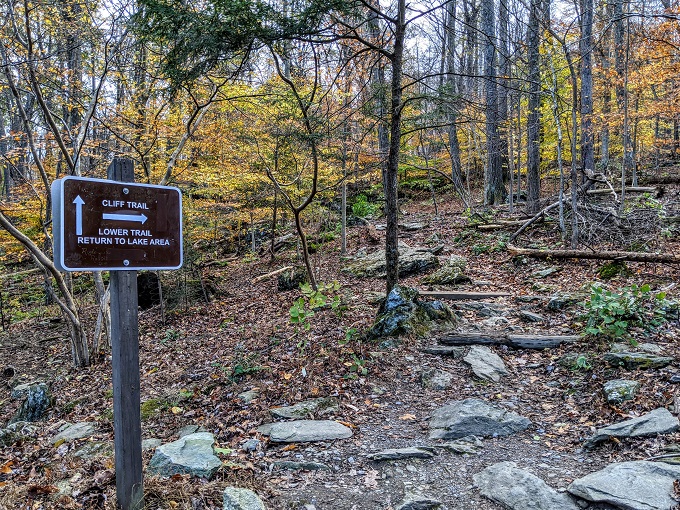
630,256
516,341
460,295
632,189
269,275
504,224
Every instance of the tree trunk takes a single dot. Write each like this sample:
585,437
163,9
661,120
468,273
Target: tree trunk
494,192
390,176
534,119
586,47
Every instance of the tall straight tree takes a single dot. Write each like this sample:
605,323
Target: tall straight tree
534,119
586,48
453,85
494,190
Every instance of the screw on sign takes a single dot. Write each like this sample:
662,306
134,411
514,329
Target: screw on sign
103,225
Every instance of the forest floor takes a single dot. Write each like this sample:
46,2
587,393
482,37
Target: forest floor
196,364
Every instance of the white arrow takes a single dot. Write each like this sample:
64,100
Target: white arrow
79,215
141,218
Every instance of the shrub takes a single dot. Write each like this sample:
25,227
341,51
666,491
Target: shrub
362,208
611,314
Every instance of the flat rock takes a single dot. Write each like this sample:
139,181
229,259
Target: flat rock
402,453
620,390
518,489
301,431
412,226
93,449
485,363
418,502
75,431
496,322
528,316
192,454
436,379
235,498
411,261
637,360
456,352
562,301
289,465
658,421
451,273
647,347
464,445
638,485
474,417
317,406
248,396
547,272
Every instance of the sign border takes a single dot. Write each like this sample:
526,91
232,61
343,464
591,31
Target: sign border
57,190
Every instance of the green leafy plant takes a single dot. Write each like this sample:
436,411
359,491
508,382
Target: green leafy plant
581,363
611,314
362,208
303,308
350,334
171,335
357,367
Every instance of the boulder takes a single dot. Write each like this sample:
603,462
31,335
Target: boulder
76,431
451,273
563,301
248,396
620,390
302,431
38,400
474,417
17,432
528,316
192,454
411,261
638,485
658,421
517,489
318,406
402,313
241,499
637,360
485,363
92,449
436,379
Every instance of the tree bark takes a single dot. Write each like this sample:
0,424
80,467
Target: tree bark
534,118
494,192
586,47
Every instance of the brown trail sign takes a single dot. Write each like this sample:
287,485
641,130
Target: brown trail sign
100,225
119,226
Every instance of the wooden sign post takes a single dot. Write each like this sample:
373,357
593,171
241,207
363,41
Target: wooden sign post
104,225
127,423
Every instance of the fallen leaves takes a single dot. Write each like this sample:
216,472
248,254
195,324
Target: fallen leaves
6,468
